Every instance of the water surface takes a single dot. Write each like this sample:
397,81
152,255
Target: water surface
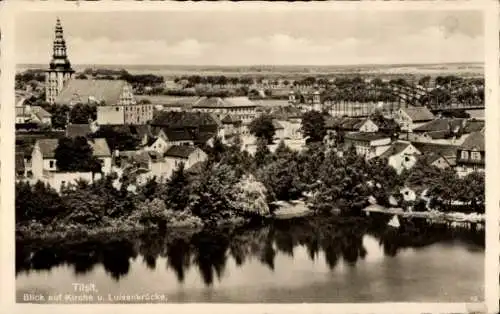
305,260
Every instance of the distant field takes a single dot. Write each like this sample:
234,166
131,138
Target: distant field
168,71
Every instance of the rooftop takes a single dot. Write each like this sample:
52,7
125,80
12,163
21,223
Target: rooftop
395,148
94,91
180,151
75,130
230,102
182,119
417,114
475,141
366,137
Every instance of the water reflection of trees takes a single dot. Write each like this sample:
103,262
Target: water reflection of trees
209,250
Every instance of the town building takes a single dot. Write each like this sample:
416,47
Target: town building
412,117
60,70
114,99
188,155
239,107
43,155
401,156
202,125
27,114
471,154
369,145
446,130
44,167
167,137
446,151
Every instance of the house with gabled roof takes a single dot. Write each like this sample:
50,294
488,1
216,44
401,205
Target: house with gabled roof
43,155
471,154
27,113
166,138
447,151
44,164
401,155
446,130
188,155
411,117
435,159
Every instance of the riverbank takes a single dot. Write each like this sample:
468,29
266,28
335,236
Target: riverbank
433,215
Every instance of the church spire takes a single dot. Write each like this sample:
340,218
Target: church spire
59,54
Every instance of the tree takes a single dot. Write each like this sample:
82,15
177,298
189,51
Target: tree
250,197
313,126
75,155
262,153
117,138
60,116
37,202
177,192
262,127
82,114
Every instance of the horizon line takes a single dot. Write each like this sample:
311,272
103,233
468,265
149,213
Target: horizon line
263,65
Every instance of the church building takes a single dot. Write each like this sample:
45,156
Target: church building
60,70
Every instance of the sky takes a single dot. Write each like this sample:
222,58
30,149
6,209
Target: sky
251,37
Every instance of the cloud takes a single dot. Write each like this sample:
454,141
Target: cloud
434,44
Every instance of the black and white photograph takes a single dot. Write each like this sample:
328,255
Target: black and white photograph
250,155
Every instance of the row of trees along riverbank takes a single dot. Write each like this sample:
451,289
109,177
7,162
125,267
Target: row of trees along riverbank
232,187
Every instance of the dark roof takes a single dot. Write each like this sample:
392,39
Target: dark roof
182,151
368,137
475,141
75,130
178,135
204,137
395,149
182,119
474,126
437,135
449,152
431,157
417,114
48,146
140,130
443,149
434,125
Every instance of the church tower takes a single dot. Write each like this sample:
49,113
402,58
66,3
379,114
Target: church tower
60,70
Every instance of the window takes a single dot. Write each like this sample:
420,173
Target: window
464,154
51,164
117,109
475,155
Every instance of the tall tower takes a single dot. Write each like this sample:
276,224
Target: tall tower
60,70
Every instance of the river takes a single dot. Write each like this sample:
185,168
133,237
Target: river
300,260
